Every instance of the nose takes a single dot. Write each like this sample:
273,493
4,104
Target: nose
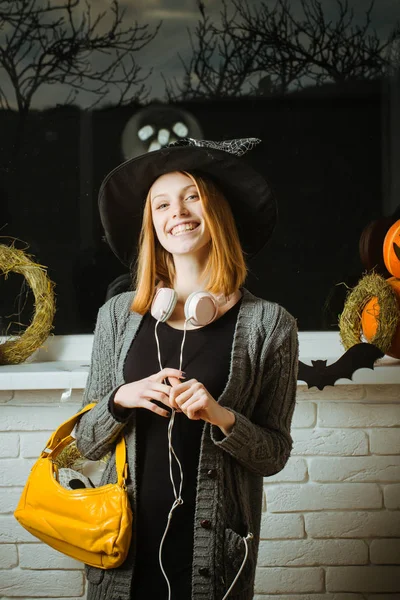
179,209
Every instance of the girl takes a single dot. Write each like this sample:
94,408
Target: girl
197,373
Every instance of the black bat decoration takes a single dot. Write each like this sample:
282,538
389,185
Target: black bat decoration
360,356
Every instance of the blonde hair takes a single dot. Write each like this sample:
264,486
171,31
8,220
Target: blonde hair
225,270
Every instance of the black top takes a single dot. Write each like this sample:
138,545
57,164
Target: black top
206,357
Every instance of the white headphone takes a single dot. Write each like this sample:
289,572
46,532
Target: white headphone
201,308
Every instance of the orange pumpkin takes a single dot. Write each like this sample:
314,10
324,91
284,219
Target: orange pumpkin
391,250
371,313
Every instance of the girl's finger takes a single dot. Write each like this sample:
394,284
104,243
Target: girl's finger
194,398
160,387
160,396
164,373
177,400
154,408
194,409
174,381
176,390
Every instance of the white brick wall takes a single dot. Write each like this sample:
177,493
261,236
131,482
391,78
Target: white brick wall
29,569
331,526
331,521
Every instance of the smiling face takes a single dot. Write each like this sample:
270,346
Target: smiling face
177,213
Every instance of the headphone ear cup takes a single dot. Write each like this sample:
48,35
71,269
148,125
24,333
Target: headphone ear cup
163,304
201,308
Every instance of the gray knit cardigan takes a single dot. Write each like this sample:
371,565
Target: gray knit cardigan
260,391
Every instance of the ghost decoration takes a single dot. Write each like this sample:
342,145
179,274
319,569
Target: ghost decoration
157,126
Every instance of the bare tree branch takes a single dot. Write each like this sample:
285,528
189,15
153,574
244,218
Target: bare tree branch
322,50
222,59
45,44
266,49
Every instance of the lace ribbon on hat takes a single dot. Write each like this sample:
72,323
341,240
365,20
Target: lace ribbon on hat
237,147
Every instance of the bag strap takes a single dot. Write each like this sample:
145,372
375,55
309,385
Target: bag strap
66,427
61,438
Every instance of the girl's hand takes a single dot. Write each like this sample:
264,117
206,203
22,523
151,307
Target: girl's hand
139,394
193,399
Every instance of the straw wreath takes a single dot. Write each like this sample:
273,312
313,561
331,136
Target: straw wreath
18,348
370,286
71,458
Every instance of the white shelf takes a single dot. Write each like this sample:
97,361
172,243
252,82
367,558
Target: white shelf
64,363
54,375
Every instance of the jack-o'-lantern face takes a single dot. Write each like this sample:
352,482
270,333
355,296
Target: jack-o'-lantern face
391,250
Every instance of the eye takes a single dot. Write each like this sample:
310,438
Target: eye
161,205
192,196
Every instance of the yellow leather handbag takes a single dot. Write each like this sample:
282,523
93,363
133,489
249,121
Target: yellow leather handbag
92,525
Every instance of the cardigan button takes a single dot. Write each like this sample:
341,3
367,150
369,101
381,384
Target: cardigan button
206,524
212,473
205,571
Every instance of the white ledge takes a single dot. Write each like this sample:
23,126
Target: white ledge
52,375
63,363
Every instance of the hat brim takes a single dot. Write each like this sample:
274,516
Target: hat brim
123,193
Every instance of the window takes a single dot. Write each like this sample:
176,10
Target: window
318,82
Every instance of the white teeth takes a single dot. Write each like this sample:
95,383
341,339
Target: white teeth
182,228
